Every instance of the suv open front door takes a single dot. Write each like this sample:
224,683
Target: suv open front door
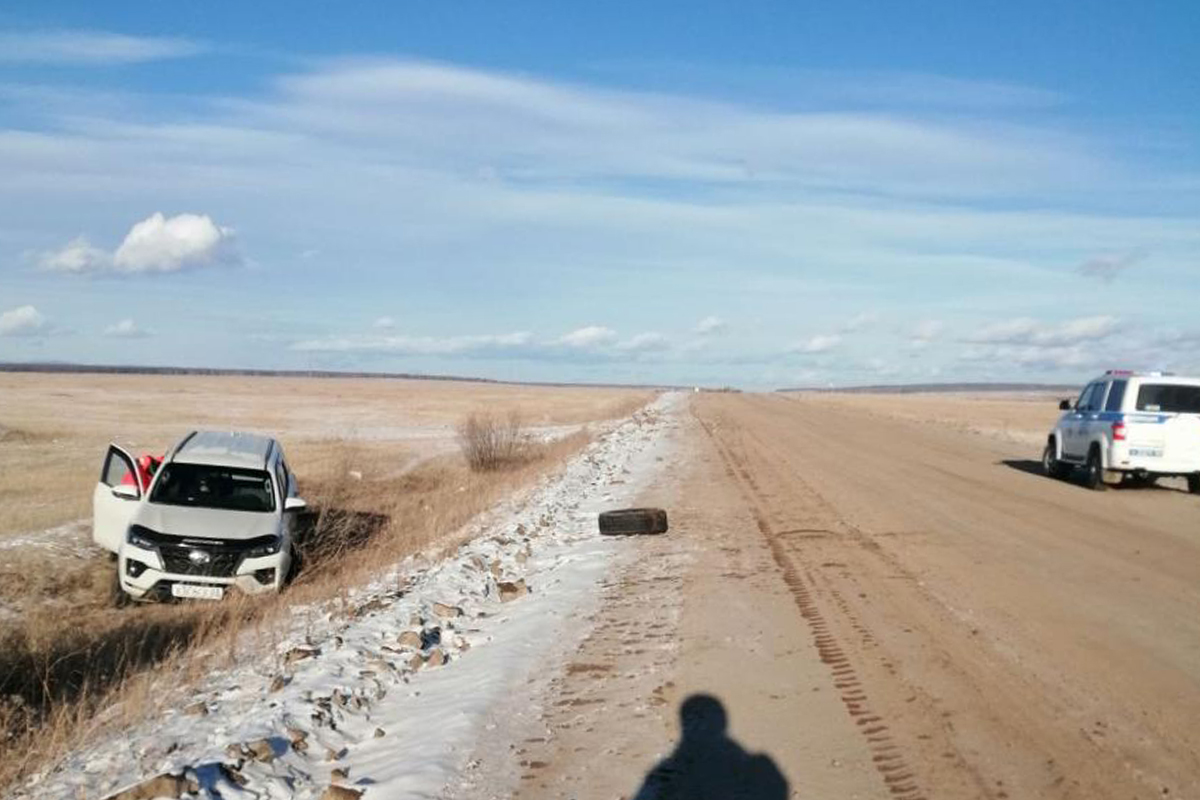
115,499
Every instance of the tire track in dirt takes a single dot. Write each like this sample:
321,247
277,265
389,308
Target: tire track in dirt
898,776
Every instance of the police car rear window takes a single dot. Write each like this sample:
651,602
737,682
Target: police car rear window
1169,398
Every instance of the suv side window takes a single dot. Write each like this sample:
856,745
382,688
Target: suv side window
1116,396
1091,397
1084,396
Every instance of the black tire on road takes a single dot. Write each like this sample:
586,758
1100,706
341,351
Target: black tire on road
633,521
1194,484
1051,465
1093,473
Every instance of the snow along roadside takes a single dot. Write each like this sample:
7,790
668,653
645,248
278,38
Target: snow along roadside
394,699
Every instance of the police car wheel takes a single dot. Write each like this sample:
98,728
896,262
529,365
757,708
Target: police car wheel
1094,472
1051,465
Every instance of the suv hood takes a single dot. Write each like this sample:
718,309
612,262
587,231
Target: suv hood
206,523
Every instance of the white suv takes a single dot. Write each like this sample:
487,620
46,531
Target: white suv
219,512
1136,425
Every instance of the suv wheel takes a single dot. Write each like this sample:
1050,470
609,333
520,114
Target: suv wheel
1051,466
1194,484
116,594
1093,475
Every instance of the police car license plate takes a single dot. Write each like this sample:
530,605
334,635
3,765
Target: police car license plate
194,592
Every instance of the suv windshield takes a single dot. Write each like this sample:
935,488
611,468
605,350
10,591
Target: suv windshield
1169,397
214,487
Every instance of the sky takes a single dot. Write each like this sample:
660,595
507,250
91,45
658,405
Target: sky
757,194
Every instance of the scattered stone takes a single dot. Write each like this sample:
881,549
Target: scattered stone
417,661
431,637
436,658
410,639
379,733
340,773
494,568
511,590
297,735
374,604
300,653
165,785
277,683
261,750
416,620
234,775
335,792
443,611
196,709
334,755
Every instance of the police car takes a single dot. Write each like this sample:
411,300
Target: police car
1136,426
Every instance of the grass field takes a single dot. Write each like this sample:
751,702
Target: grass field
54,428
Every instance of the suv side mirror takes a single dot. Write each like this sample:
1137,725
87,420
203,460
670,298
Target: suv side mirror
1064,405
294,504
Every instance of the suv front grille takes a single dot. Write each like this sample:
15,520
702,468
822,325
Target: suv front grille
209,558
215,563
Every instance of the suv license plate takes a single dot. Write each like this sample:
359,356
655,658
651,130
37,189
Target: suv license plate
194,592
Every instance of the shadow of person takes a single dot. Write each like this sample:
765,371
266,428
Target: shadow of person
708,765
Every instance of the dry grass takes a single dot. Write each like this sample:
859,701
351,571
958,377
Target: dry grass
58,425
491,443
71,665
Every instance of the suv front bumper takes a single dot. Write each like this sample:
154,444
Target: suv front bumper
144,575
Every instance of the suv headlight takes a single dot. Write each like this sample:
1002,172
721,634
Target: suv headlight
140,536
267,547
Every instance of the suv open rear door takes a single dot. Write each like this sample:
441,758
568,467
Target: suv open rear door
115,499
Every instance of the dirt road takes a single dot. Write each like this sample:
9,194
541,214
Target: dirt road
883,609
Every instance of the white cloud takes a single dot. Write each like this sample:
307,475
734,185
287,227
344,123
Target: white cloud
170,244
858,322
418,345
384,324
1025,331
644,342
927,331
156,244
821,343
1107,267
589,336
1003,358
711,325
91,47
77,257
126,329
22,321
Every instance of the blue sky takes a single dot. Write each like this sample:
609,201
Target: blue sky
760,194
